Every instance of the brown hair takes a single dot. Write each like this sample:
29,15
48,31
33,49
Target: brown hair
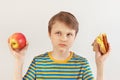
65,17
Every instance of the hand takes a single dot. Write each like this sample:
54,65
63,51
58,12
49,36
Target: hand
100,59
18,54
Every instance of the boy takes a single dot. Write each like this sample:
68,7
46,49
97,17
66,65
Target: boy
60,63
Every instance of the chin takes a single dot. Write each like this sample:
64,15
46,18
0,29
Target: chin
62,50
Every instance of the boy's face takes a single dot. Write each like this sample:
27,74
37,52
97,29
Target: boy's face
62,37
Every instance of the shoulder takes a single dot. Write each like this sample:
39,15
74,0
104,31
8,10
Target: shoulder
41,56
79,58
76,56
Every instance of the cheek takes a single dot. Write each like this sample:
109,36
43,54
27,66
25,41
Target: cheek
71,41
53,40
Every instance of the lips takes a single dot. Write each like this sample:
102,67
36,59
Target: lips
62,45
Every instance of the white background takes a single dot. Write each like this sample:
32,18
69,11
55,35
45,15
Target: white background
31,18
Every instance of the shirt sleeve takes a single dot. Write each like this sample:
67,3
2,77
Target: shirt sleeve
86,70
30,74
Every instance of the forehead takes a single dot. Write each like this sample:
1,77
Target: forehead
62,27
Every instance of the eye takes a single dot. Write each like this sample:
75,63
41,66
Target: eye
58,33
69,34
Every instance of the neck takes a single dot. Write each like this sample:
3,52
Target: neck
60,55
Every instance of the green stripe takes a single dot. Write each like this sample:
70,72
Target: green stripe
42,67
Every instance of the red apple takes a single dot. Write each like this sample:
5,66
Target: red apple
17,41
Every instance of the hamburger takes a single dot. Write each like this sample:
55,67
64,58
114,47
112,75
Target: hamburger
102,42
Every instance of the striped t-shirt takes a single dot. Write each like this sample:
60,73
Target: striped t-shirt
45,67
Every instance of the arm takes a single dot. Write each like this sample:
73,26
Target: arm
18,70
19,60
100,59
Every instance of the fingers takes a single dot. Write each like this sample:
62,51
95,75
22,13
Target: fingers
9,46
96,47
93,42
26,47
14,51
109,49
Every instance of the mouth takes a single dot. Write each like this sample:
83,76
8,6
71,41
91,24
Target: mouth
62,45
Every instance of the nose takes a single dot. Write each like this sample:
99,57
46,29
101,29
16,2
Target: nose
63,38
